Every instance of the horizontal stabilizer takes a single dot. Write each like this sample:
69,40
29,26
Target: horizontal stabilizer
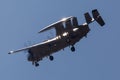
97,17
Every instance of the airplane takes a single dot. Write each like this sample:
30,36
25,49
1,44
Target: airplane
68,33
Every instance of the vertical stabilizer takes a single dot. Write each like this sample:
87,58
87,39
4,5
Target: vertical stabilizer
97,17
88,18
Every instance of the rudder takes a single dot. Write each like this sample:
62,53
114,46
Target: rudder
97,17
88,18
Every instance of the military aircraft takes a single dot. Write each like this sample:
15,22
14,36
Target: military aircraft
68,33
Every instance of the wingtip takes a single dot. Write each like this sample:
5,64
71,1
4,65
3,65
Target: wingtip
10,52
39,32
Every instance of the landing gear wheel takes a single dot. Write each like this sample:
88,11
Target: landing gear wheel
36,64
51,58
73,49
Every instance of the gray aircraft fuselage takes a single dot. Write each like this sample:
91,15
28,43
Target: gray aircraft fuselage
59,42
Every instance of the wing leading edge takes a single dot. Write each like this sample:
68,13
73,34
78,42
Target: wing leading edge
34,46
57,25
26,48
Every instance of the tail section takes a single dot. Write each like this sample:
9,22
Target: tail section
88,18
96,17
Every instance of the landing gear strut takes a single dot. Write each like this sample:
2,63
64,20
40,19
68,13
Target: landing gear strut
73,49
36,64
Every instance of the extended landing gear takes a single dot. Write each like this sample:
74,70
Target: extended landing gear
51,58
73,49
36,64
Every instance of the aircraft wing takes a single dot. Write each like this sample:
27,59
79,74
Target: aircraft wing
49,26
26,48
36,46
56,25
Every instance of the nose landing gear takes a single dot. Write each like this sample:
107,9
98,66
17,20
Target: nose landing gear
36,64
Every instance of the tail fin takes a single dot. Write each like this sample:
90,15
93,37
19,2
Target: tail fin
96,17
88,18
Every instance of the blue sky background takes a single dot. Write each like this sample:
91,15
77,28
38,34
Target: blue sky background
96,58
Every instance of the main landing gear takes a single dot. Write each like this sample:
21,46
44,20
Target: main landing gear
51,58
73,49
37,64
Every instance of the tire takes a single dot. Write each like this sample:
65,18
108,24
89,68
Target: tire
51,58
73,49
